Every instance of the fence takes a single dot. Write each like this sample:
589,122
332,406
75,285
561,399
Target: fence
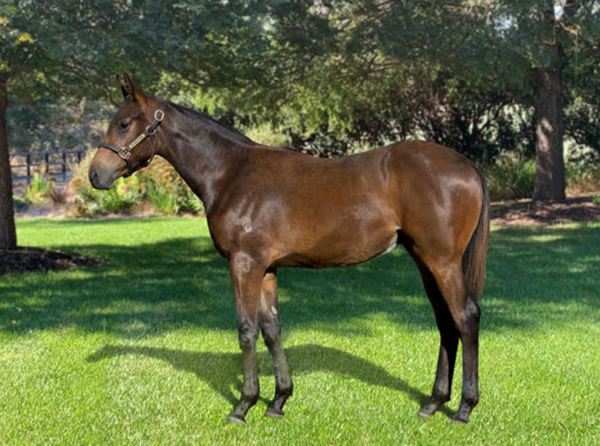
54,164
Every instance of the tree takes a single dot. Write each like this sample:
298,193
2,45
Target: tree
546,36
451,71
521,49
13,44
63,48
8,236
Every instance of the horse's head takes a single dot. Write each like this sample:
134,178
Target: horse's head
130,141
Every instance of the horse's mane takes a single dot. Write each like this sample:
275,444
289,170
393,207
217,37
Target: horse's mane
221,128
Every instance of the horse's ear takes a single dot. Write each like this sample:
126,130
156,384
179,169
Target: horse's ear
130,91
127,86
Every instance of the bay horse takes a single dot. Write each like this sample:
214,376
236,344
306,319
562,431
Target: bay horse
269,207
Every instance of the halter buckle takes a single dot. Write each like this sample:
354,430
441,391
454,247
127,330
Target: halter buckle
159,115
149,131
124,153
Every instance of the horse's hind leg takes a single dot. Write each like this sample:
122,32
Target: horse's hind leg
465,314
469,333
442,386
270,326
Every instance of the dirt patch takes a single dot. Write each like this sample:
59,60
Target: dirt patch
37,259
529,213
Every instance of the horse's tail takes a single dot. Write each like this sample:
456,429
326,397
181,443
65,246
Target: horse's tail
473,260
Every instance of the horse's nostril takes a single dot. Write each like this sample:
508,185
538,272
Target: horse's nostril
93,175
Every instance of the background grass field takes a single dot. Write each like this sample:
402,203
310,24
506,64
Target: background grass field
143,350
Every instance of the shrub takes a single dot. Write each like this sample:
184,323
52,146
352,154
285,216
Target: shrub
40,190
163,199
266,134
167,191
583,180
510,178
158,187
20,203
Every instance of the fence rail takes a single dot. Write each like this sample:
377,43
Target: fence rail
55,164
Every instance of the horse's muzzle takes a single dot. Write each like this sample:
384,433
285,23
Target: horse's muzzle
97,180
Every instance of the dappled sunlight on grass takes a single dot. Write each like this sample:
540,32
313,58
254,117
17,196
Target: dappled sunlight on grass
165,273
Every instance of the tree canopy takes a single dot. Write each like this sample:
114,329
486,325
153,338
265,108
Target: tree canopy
482,77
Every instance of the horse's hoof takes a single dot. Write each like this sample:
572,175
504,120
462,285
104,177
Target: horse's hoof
428,410
459,419
236,418
424,414
274,413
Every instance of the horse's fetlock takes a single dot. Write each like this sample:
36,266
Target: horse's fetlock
251,397
441,397
286,389
471,400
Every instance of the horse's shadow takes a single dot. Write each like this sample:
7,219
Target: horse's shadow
220,370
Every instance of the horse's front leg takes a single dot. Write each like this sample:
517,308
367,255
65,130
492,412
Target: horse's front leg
247,275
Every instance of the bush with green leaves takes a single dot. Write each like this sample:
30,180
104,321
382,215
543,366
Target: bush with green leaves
40,190
509,178
583,179
157,188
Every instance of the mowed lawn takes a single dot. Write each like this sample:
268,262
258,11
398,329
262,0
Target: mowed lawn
143,350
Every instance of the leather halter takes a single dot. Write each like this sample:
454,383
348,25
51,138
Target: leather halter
125,152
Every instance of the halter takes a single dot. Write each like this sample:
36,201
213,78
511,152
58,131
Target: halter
125,152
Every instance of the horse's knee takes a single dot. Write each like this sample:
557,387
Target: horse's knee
247,333
271,330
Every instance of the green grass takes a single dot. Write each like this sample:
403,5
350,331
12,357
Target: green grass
143,350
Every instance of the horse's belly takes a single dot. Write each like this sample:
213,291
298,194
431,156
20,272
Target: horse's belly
346,250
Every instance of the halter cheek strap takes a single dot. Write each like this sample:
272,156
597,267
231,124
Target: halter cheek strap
125,152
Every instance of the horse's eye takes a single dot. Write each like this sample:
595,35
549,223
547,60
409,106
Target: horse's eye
123,125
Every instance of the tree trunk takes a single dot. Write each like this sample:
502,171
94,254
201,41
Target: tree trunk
549,184
8,235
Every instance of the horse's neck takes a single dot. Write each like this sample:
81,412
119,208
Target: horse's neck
206,155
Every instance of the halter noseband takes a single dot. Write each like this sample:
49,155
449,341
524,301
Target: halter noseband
125,152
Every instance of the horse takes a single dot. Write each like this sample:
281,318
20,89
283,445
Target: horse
269,207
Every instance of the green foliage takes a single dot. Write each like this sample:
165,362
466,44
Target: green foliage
121,198
583,180
368,73
162,199
20,203
355,72
157,186
265,134
167,192
509,178
40,190
329,76
52,125
144,348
